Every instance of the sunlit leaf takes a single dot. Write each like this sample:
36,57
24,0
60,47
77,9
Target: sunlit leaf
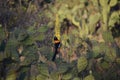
43,29
67,76
110,54
105,65
12,75
41,77
76,78
43,69
107,36
113,2
89,77
54,76
82,63
103,2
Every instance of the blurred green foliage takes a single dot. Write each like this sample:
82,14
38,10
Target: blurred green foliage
91,51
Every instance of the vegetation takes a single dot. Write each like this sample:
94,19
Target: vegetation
89,31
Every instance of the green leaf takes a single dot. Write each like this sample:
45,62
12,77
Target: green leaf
43,29
103,2
67,76
118,61
65,39
94,18
105,12
30,55
113,3
82,63
105,65
89,77
62,68
77,23
11,75
95,3
77,7
43,69
2,56
110,54
96,51
29,41
103,46
41,77
113,18
107,36
40,37
76,78
82,1
97,75
22,36
54,76
11,48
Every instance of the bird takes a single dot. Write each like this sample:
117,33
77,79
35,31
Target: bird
56,47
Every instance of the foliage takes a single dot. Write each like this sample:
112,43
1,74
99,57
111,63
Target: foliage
89,49
82,64
89,77
43,70
2,34
67,76
107,36
11,76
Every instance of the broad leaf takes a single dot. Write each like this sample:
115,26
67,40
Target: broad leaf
82,63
